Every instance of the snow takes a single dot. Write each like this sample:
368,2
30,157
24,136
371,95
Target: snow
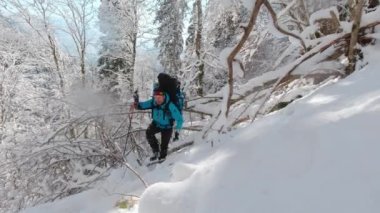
319,154
370,17
273,30
237,69
322,157
223,56
374,35
181,171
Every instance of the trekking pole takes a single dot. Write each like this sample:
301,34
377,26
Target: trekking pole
130,118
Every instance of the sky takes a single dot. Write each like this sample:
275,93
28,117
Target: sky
145,42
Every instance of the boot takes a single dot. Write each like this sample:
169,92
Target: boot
154,156
162,157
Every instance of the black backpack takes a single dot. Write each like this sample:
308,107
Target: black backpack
172,86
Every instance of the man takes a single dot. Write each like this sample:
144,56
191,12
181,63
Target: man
164,113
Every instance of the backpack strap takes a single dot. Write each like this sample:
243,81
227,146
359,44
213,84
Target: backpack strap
151,116
165,110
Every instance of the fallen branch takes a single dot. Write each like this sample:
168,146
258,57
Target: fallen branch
204,97
193,128
197,111
212,100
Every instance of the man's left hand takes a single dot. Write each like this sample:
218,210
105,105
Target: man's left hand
176,136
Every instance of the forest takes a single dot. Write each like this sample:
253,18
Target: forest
69,69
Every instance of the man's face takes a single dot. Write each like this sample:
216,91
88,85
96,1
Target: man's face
159,99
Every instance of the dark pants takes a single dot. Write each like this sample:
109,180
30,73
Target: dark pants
166,134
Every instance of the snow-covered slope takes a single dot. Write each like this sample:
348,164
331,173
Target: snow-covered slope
319,154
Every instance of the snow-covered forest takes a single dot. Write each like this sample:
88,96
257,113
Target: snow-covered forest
281,111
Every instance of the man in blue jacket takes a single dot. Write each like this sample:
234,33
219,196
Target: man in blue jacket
164,113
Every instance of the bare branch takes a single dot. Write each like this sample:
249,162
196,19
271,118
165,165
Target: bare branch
274,18
236,50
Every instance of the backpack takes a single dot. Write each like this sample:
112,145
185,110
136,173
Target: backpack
172,86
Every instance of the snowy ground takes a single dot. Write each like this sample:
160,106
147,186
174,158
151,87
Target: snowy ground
319,154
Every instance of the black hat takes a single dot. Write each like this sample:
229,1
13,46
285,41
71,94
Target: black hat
158,91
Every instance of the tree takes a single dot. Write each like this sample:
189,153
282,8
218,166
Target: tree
170,17
194,47
119,24
198,47
28,111
37,15
77,15
221,28
41,159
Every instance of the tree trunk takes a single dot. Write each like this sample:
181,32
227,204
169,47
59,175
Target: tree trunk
198,48
357,12
82,68
134,41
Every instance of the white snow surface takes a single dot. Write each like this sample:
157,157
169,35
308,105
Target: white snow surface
319,154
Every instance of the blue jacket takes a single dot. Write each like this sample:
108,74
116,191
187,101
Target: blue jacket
164,114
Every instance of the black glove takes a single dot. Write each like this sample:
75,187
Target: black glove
176,136
135,99
136,96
